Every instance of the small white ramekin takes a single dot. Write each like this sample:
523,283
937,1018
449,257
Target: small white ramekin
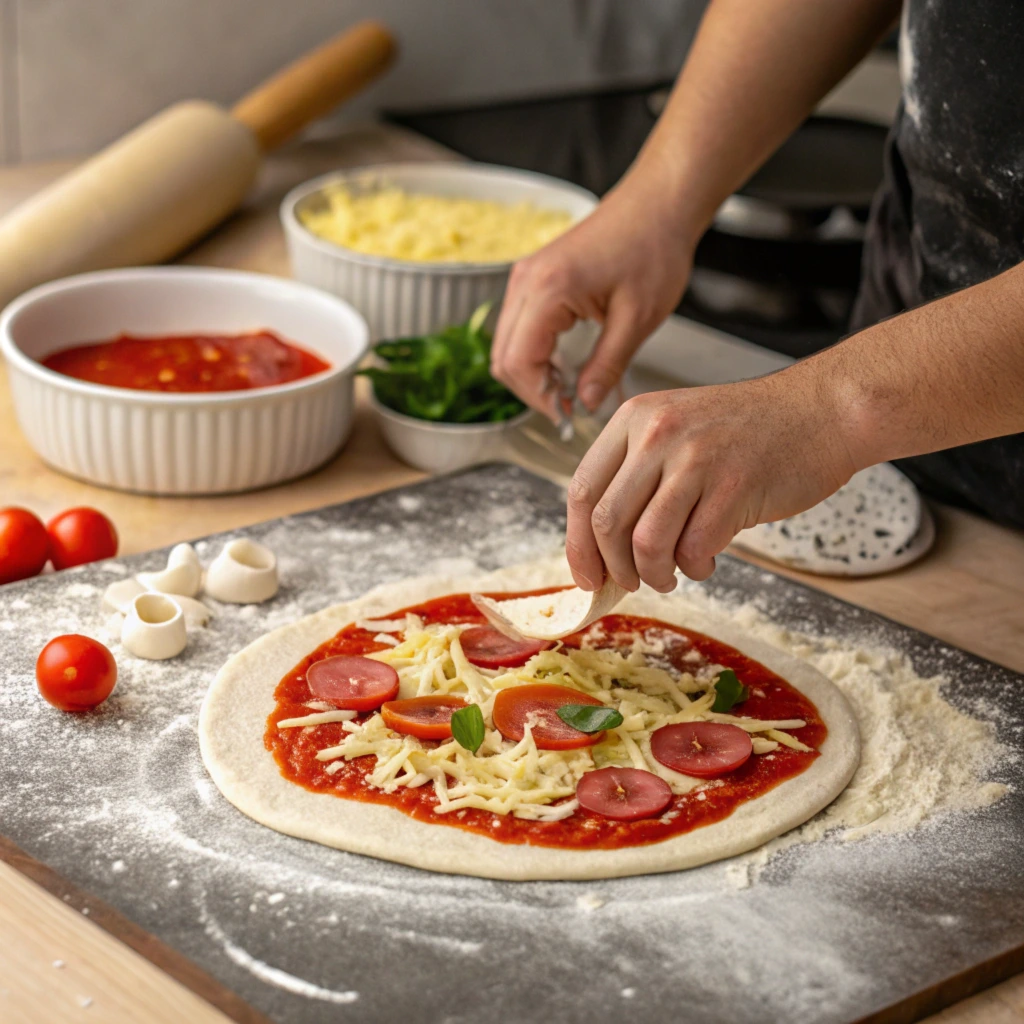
162,443
444,447
401,298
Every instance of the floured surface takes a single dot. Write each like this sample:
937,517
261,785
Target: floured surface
121,804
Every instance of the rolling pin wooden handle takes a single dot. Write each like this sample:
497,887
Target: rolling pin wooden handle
316,83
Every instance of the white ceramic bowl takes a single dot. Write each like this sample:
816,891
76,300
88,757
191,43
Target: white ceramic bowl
444,447
160,443
400,298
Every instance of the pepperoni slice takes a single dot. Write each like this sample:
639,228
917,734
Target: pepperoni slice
429,718
487,647
352,682
702,749
625,794
540,703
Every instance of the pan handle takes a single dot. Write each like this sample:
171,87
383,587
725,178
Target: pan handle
316,83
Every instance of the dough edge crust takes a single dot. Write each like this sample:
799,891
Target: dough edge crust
233,718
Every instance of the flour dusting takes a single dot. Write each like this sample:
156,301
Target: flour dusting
836,925
274,975
920,755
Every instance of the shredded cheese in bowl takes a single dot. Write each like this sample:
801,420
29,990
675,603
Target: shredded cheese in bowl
505,777
402,225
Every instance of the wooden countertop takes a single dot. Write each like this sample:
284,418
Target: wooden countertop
969,591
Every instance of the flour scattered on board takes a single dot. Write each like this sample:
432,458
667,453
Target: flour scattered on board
126,783
908,772
590,901
274,975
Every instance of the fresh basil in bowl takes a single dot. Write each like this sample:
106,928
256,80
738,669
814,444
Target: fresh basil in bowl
438,405
443,377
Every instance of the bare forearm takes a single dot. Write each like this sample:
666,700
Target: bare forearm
755,71
946,374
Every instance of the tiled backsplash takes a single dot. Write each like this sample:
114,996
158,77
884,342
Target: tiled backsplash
75,74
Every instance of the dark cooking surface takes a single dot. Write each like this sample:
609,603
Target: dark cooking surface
119,803
829,161
591,139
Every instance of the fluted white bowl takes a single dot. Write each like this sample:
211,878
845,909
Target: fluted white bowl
163,443
445,447
400,298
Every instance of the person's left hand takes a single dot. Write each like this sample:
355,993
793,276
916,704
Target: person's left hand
677,474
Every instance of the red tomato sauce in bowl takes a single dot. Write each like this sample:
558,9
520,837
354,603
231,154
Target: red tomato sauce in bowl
188,363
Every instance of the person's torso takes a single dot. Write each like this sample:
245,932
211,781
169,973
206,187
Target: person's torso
960,136
951,211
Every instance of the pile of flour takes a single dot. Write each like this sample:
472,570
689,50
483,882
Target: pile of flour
920,756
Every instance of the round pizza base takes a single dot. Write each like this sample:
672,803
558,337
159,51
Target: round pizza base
234,715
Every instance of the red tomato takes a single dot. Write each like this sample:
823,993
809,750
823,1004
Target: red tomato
488,647
702,749
625,794
24,546
541,701
80,535
429,718
75,673
352,682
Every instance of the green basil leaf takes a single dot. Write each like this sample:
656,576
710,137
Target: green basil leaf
468,727
443,376
589,718
728,691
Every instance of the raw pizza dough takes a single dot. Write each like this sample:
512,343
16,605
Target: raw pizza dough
234,716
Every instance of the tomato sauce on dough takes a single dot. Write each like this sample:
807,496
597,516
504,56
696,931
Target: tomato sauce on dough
295,749
188,363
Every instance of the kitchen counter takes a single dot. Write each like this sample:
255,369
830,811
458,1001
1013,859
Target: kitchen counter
969,591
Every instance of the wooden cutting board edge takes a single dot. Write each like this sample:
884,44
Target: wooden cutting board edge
917,1007
946,993
162,956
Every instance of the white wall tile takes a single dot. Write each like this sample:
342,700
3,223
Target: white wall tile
88,71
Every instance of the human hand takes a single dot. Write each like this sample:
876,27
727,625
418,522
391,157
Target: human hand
677,474
624,267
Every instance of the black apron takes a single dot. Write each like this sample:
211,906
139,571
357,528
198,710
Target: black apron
951,210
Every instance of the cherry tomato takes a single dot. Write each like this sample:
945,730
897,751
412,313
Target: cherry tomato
80,535
429,718
540,702
352,682
702,749
24,546
75,673
487,647
625,794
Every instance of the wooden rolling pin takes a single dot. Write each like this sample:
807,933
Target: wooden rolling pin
175,177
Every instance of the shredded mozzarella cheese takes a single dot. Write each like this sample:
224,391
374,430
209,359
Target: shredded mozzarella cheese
519,778
318,719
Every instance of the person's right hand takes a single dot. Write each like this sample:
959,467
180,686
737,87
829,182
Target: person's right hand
625,267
